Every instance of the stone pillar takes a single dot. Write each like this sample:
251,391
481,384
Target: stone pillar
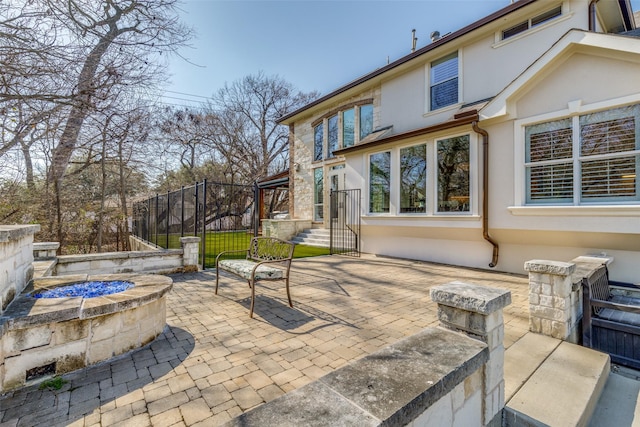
550,297
190,252
477,312
45,250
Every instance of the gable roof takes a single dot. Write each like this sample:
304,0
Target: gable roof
626,17
503,104
286,119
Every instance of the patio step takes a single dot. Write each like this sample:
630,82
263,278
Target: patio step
313,237
552,382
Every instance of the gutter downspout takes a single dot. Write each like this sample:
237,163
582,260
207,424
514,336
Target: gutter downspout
592,15
485,191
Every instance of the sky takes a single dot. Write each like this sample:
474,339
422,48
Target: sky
313,44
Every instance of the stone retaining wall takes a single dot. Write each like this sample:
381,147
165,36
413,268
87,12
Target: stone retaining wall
284,229
16,259
447,376
155,261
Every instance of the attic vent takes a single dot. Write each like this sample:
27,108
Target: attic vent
435,36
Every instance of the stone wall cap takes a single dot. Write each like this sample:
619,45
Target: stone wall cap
557,268
190,239
44,246
471,297
14,232
392,386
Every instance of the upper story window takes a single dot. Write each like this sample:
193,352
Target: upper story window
530,23
341,129
332,135
587,159
366,120
443,82
348,127
318,142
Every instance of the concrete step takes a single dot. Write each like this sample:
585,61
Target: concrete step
619,404
562,390
313,237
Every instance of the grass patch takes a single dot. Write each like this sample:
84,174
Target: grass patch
55,383
235,241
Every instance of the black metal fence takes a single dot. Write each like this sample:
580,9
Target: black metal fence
222,215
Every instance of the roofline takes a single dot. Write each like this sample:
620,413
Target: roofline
428,48
464,119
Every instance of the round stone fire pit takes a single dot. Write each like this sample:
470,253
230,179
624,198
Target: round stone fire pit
43,336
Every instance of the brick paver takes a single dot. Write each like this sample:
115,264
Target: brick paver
213,362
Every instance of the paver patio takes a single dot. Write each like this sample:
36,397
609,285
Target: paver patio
213,362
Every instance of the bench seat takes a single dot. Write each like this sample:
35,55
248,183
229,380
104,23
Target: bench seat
621,316
244,267
266,258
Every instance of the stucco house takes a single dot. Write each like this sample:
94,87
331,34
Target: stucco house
514,138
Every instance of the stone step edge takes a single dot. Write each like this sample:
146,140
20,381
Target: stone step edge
564,390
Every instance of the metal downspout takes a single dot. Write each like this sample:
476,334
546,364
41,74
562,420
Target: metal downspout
592,15
485,191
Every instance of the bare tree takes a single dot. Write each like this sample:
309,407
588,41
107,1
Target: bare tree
246,128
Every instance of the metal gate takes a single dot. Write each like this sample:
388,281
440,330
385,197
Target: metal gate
344,219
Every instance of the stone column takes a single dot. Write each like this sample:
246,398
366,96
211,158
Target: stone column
190,252
477,312
550,297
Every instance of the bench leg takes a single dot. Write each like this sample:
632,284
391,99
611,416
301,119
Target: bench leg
289,294
217,279
252,285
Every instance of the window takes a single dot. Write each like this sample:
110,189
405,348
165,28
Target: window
453,174
379,182
444,82
366,120
348,127
591,158
413,179
530,23
318,142
332,135
318,195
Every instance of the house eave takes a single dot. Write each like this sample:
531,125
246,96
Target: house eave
291,117
465,119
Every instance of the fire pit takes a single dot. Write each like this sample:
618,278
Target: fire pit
63,323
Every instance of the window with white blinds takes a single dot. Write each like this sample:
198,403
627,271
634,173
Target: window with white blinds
591,158
444,82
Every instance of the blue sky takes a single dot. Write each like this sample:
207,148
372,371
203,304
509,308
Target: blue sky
315,45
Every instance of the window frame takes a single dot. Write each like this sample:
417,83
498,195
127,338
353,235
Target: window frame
430,212
554,13
575,111
389,195
430,85
318,143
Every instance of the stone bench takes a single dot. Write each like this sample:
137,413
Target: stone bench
267,258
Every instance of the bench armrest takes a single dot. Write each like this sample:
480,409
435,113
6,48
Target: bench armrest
615,306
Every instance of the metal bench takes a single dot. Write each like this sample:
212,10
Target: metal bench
611,318
267,258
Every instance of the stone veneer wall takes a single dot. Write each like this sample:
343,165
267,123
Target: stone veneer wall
447,376
302,155
16,260
153,261
555,295
284,229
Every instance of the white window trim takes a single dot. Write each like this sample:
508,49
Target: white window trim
574,110
431,212
499,41
427,87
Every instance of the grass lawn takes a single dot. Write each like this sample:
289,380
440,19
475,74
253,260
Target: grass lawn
236,240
